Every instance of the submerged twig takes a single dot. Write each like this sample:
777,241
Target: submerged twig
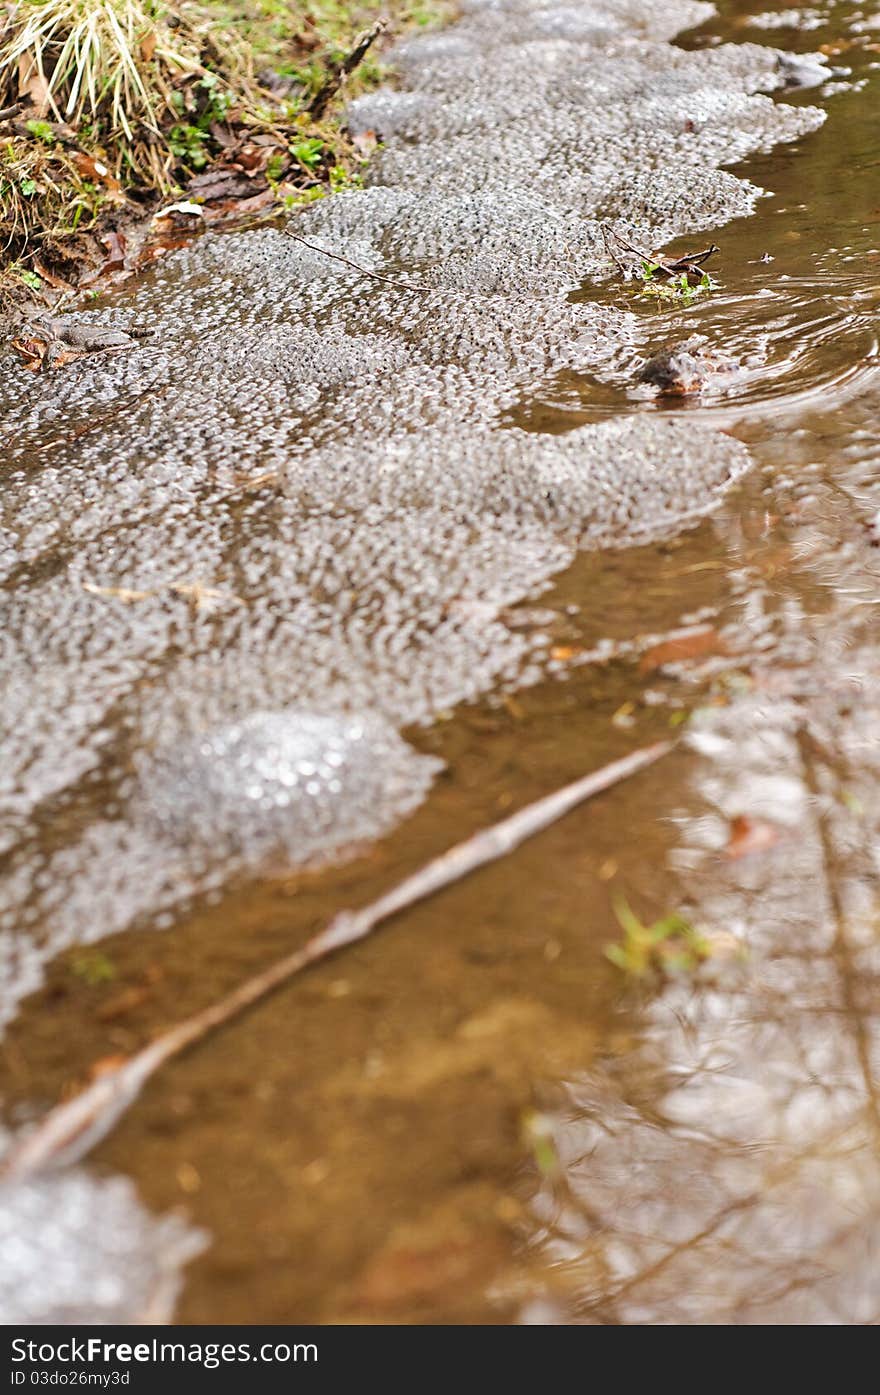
70,436
340,71
73,1128
374,275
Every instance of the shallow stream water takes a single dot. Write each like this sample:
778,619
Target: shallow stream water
472,1116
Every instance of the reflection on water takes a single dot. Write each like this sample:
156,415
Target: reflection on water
725,1166
795,339
361,1147
80,1251
727,1169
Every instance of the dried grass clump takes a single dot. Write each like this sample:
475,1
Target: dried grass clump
100,59
112,70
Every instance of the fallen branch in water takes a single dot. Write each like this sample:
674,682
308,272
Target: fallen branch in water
340,71
73,1128
374,275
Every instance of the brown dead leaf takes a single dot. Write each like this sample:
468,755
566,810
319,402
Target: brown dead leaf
307,39
241,207
159,245
224,137
365,142
839,46
624,716
748,836
49,276
94,169
188,1178
123,1003
220,183
692,643
105,1065
148,45
70,256
405,1274
115,244
33,85
252,156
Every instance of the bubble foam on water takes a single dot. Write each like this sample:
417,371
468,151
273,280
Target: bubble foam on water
294,787
78,1249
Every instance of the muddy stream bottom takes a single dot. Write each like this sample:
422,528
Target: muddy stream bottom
475,1116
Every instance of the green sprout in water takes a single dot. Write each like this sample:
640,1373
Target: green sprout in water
93,968
537,1132
670,946
680,290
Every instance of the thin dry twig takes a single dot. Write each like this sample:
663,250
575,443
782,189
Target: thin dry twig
10,113
374,275
607,236
73,1128
340,71
665,266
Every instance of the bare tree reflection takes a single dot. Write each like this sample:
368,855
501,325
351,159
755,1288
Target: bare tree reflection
728,1169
